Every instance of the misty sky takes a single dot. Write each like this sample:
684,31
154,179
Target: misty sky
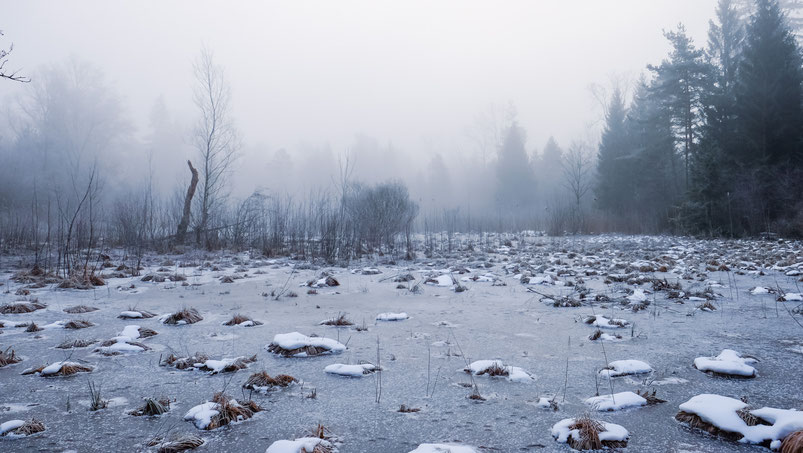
413,73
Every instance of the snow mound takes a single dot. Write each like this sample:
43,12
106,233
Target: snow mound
497,368
295,344
201,415
10,426
351,370
605,323
626,367
611,432
444,448
728,363
392,316
637,296
301,445
615,402
721,412
441,280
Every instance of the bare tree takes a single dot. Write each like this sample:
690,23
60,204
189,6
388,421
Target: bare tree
215,137
185,216
577,167
3,60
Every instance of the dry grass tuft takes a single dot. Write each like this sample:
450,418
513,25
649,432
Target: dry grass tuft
494,370
144,313
145,332
187,315
650,397
32,327
239,364
589,434
596,335
707,306
750,419
311,351
70,344
793,443
31,426
67,369
21,307
33,370
7,358
263,379
177,444
231,410
182,363
694,421
70,368
80,309
76,324
408,410
239,319
340,320
151,407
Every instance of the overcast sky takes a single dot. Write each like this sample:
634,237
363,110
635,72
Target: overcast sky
410,72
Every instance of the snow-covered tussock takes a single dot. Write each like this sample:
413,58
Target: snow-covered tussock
727,363
625,367
497,368
295,344
392,316
723,413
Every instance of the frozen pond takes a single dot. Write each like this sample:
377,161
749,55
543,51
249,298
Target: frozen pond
497,318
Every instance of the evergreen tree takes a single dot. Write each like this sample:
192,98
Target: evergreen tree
548,170
769,115
612,190
680,83
708,197
515,181
654,160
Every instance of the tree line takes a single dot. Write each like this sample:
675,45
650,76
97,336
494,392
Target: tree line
712,140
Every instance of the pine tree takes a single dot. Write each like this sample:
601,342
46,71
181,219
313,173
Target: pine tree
516,184
708,197
654,160
769,115
612,189
680,82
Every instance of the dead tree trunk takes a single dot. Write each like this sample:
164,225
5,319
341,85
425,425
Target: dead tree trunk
185,217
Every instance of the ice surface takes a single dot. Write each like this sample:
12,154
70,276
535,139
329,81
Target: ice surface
443,448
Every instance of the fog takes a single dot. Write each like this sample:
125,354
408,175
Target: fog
312,75
566,117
